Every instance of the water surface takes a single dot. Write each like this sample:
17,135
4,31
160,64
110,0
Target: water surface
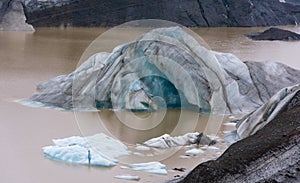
27,59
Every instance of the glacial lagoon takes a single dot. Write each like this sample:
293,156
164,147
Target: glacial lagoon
28,59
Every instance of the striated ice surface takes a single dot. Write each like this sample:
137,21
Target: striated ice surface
256,120
169,64
150,167
102,149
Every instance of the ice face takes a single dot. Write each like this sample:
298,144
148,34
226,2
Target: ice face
99,149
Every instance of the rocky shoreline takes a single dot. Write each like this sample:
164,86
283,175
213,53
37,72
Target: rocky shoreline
191,13
270,155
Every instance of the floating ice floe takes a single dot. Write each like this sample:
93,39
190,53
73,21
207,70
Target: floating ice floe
194,151
128,177
166,141
96,150
231,117
138,154
150,167
142,148
210,147
184,157
229,124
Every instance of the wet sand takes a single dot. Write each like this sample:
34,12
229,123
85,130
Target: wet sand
27,59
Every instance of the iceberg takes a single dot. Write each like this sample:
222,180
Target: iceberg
166,68
149,167
96,150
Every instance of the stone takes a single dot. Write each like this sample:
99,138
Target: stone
273,34
269,155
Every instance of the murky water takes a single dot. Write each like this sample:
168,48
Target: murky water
27,59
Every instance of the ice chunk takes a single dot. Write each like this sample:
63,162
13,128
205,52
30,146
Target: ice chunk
142,148
184,157
229,124
138,154
166,141
150,167
194,151
210,147
102,149
128,177
231,117
76,154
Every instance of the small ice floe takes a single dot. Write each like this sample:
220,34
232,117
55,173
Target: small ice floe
138,154
191,146
185,156
150,167
142,148
166,141
229,124
210,147
194,152
127,177
96,150
231,117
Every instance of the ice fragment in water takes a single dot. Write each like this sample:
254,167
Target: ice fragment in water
103,150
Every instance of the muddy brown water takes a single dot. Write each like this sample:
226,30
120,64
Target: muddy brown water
27,59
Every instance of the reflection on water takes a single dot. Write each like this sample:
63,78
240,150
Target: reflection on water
151,125
27,59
